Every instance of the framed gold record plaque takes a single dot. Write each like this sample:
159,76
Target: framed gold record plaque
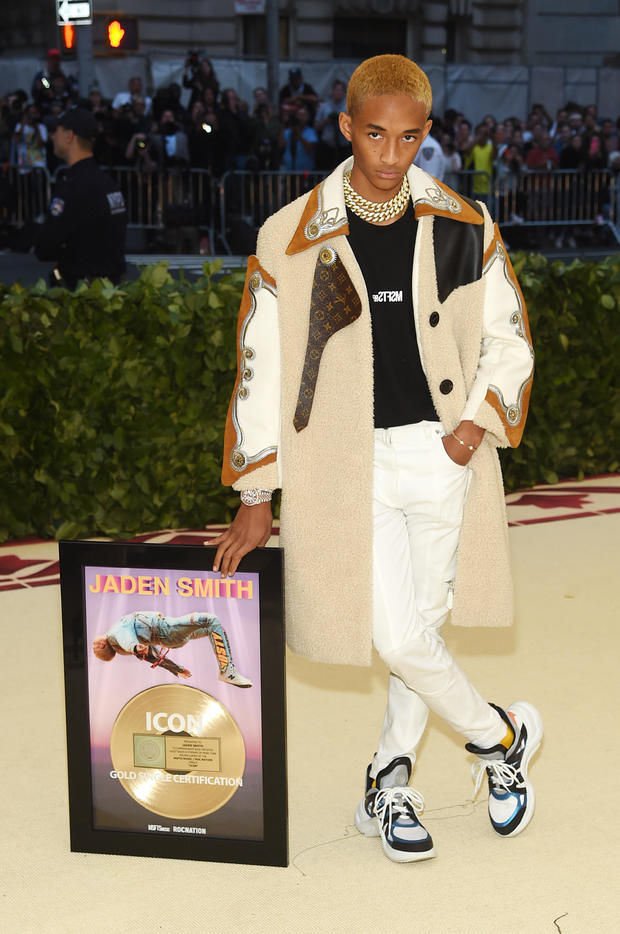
175,702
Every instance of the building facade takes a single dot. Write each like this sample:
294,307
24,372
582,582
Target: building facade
508,32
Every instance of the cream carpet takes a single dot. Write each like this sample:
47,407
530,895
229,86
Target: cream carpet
561,875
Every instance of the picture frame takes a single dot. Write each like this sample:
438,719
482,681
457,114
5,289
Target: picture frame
171,751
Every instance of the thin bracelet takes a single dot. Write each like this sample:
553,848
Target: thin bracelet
470,447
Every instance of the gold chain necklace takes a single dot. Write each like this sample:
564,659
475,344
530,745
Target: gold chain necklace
374,211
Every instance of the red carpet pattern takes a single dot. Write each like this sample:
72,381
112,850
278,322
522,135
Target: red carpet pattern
33,563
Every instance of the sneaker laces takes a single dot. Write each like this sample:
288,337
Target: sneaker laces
501,774
397,802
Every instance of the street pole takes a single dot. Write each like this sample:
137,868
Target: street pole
86,65
272,34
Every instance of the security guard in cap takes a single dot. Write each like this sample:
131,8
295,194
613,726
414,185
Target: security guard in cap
85,225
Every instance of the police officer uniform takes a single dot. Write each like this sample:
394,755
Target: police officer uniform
85,225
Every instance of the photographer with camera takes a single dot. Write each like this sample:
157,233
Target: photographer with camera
124,99
199,74
52,86
168,146
138,153
298,91
264,151
298,140
201,136
333,147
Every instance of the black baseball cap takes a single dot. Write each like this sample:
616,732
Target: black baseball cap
78,119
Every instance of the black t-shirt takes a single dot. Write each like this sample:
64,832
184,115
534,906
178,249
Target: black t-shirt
385,256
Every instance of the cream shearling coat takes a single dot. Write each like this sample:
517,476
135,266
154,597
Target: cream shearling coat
478,361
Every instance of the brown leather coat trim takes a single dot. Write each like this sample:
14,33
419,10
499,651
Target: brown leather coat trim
467,214
513,432
229,476
491,248
299,241
334,304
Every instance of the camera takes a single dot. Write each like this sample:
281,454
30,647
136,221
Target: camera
45,82
141,144
192,59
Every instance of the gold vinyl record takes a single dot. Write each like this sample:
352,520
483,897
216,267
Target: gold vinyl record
177,751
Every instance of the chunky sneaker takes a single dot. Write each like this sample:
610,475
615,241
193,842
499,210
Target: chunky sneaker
511,795
231,676
390,809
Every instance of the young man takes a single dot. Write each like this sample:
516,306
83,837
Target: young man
384,355
140,633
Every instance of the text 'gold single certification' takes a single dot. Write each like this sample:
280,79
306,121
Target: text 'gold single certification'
177,751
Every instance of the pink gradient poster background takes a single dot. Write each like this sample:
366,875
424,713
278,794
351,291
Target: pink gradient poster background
111,684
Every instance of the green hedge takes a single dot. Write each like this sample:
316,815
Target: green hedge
573,426
113,399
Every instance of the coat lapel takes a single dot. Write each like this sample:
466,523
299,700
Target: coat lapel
336,301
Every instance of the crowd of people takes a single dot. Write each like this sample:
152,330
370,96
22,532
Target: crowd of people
219,131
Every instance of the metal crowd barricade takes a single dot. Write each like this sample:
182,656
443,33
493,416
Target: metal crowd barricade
473,183
249,198
198,205
26,194
177,198
557,198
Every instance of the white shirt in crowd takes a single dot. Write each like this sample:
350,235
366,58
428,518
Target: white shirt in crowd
430,157
124,97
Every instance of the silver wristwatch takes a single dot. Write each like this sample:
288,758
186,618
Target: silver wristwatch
252,497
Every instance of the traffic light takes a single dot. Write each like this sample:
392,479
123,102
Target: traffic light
121,33
68,37
68,41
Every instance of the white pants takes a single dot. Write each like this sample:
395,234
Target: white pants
419,493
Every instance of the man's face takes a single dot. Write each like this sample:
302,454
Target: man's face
338,92
386,134
61,139
135,86
482,135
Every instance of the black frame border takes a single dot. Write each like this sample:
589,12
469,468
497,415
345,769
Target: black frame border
267,562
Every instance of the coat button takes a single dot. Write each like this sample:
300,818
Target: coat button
446,386
434,319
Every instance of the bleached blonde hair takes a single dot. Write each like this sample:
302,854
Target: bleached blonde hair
388,74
